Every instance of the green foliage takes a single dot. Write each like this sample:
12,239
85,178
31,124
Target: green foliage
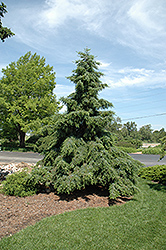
124,144
152,150
90,163
5,144
27,100
33,138
129,143
154,173
19,184
4,31
77,144
13,145
163,147
128,149
158,135
128,133
26,184
131,128
114,125
145,133
8,131
42,177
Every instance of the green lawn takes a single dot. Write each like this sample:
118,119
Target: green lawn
139,224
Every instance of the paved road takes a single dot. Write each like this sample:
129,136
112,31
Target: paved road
149,160
16,157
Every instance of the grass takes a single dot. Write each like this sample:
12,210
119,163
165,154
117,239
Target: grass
152,150
129,149
27,148
140,224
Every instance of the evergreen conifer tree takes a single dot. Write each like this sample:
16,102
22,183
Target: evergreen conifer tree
78,147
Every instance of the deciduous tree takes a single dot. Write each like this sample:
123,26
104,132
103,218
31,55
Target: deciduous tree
4,31
26,95
158,134
131,127
146,134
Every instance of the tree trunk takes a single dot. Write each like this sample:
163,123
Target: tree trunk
21,137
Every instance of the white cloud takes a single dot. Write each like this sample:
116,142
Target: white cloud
144,27
58,11
63,90
104,65
147,14
127,81
138,24
135,77
132,70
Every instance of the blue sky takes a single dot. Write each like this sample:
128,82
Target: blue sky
128,38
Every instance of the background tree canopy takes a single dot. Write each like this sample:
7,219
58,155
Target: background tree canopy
77,147
4,31
26,96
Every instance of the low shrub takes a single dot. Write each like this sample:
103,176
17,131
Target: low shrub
124,144
154,173
42,176
152,150
19,184
129,143
9,144
128,149
14,146
26,184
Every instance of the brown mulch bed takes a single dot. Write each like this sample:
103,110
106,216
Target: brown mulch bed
19,212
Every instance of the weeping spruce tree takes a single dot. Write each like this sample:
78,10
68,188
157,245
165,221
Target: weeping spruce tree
77,146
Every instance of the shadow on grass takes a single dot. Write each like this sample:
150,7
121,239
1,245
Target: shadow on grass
157,186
